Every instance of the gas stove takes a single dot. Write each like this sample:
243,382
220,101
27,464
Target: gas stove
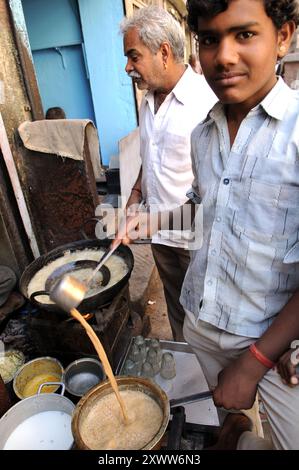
62,337
187,436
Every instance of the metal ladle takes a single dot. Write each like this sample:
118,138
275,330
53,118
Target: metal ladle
69,292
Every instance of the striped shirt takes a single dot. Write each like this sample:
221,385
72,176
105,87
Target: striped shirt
248,266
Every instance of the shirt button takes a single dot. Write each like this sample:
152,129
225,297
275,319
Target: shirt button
214,252
218,219
226,181
210,282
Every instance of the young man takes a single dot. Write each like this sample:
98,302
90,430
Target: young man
241,290
177,99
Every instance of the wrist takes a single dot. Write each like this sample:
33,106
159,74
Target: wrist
254,369
135,198
260,357
136,190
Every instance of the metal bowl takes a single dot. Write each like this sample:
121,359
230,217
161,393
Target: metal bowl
83,374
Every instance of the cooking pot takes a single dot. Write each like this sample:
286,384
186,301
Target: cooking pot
83,374
90,303
41,422
33,373
91,399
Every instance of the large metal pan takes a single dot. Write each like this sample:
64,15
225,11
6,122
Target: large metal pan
89,303
92,399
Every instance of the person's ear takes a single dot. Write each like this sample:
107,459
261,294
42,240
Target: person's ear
165,53
285,35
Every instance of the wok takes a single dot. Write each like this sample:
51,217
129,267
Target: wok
90,303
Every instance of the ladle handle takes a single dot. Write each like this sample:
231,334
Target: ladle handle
190,399
103,260
38,293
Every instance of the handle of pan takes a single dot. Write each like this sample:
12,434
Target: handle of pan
190,399
38,293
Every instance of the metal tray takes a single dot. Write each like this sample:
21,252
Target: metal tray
189,380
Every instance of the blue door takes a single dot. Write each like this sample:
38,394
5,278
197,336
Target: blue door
57,46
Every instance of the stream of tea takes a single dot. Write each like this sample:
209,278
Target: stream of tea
103,357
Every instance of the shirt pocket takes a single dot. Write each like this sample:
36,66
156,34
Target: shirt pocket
176,153
268,212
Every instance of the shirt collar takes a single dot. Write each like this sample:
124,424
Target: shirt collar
181,90
275,104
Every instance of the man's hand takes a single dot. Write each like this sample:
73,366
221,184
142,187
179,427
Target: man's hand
237,383
286,367
133,227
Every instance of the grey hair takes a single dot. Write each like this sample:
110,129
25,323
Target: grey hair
156,26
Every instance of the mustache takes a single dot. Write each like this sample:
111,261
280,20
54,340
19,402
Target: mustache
134,74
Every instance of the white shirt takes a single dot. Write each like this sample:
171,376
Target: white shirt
248,266
165,143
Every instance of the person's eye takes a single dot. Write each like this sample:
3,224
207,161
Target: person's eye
245,35
134,58
207,40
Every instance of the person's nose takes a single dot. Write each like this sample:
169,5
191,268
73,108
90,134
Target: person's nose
129,67
226,54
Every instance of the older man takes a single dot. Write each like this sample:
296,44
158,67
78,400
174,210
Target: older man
177,99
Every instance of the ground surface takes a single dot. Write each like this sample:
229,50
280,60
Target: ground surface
157,311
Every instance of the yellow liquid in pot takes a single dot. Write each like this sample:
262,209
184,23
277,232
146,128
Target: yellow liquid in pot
31,388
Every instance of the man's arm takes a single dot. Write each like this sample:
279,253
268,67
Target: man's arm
237,383
136,192
146,224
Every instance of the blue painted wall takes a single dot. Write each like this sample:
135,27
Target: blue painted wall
79,61
52,23
62,81
111,89
56,41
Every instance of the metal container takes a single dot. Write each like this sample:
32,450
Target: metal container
33,373
40,436
93,397
83,374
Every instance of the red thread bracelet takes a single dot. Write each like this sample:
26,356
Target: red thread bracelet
260,357
136,189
